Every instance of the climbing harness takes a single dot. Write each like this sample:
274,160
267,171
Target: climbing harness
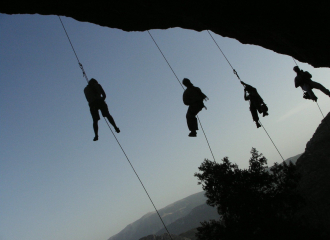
235,72
84,74
183,89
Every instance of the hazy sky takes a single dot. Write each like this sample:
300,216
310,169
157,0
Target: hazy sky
56,183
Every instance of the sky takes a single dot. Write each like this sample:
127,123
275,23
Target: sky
56,183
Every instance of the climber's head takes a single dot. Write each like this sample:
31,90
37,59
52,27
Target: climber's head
186,82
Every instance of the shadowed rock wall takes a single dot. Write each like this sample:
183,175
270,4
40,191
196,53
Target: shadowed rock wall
314,166
299,30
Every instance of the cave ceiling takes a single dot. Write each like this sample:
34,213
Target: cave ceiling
296,29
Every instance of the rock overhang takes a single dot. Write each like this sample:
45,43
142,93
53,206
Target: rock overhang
295,29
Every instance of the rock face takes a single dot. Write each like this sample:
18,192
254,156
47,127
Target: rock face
314,166
295,29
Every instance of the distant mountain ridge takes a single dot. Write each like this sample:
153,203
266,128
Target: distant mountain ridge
197,215
293,159
150,223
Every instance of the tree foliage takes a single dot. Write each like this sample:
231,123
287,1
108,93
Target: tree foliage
253,203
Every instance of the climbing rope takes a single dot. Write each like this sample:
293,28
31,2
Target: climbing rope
139,179
295,62
320,109
183,89
80,65
235,72
165,59
271,140
84,74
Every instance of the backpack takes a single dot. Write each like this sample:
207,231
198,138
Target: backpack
193,95
307,75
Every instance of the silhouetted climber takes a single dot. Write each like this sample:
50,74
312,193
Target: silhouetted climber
95,96
303,80
256,102
193,97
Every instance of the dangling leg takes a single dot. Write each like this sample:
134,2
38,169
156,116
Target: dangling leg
192,123
96,117
105,112
319,87
110,118
254,114
96,130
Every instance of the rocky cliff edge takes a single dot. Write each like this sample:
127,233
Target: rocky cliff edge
314,166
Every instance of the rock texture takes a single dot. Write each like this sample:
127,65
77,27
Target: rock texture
314,166
296,29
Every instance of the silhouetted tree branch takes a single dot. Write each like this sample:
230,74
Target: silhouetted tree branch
254,203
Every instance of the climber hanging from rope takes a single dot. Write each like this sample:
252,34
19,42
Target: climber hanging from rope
256,103
95,96
304,80
193,97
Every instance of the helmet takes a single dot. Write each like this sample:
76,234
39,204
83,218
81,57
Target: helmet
92,81
250,89
296,68
186,82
